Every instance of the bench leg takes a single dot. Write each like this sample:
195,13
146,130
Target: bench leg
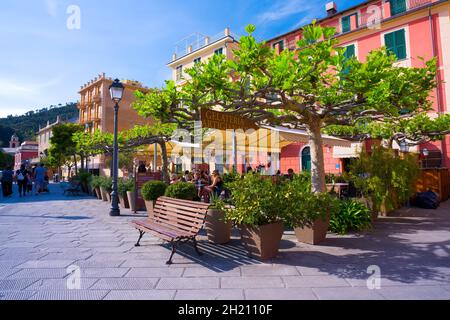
141,234
196,247
174,249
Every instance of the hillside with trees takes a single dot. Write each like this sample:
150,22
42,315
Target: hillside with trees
26,126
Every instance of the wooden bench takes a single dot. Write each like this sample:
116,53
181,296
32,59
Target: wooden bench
174,221
74,188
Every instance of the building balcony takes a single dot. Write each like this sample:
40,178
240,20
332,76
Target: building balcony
97,98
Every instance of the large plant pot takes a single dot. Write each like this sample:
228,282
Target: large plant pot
132,200
262,242
124,202
150,205
315,234
98,193
108,196
218,230
104,194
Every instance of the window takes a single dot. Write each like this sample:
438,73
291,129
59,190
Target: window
219,51
179,73
198,60
349,53
396,43
397,6
346,22
280,43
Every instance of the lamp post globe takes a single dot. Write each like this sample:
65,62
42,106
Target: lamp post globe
116,91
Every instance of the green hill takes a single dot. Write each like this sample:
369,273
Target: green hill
26,126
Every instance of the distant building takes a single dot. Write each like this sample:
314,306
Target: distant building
97,110
14,144
44,135
27,151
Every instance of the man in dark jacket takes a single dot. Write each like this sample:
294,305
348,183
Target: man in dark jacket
7,181
22,176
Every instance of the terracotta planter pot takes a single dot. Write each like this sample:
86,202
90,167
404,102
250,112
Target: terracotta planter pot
104,194
149,205
108,196
218,230
131,200
124,202
98,193
262,242
315,234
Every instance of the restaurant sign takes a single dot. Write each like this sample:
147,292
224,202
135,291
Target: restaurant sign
225,121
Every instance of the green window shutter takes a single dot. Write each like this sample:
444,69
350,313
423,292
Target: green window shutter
397,6
346,24
400,44
389,42
396,43
350,51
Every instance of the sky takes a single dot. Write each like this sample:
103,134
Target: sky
49,48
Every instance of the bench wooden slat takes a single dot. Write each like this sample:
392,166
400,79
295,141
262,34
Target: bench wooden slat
185,203
177,224
198,218
162,229
190,211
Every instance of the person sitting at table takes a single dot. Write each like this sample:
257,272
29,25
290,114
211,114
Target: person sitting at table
174,179
217,184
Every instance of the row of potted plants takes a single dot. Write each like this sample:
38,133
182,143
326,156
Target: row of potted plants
102,188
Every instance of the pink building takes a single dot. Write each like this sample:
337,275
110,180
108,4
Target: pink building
27,151
409,28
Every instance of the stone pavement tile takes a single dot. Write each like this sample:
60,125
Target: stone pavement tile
396,282
119,249
105,244
277,270
280,294
166,272
98,263
314,282
188,283
208,272
210,294
70,295
45,264
327,270
67,256
161,263
125,284
415,293
39,273
59,284
140,295
251,282
16,295
104,272
10,263
347,294
447,287
15,284
7,272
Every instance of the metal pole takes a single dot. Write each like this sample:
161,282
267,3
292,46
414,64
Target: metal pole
115,211
155,158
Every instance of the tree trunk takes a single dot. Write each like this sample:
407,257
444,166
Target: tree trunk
75,163
318,184
165,161
82,162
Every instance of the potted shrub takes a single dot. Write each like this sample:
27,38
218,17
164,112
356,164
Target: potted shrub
106,188
218,228
103,191
182,190
151,191
308,213
123,187
257,210
351,216
95,185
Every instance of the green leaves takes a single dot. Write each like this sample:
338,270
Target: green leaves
351,216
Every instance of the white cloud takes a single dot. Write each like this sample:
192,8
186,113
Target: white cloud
52,7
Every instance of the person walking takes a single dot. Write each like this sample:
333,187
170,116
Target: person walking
22,180
7,181
39,178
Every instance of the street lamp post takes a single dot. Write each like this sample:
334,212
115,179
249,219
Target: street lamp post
426,153
116,91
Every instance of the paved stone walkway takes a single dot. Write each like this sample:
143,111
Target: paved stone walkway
42,237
